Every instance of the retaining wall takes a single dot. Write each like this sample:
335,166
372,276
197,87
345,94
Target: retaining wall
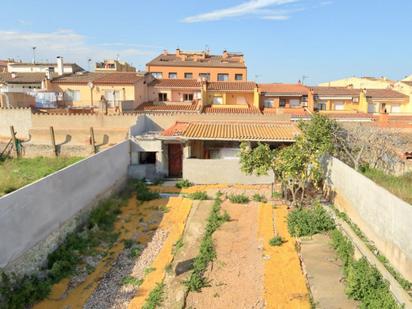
384,218
219,171
36,218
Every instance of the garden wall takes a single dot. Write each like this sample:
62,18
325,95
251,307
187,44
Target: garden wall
20,118
384,218
36,218
219,171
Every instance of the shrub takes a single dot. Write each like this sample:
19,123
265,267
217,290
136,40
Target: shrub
198,195
184,183
309,221
276,241
238,198
144,194
259,198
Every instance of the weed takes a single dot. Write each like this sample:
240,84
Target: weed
144,194
135,251
177,246
164,208
128,243
198,195
132,281
259,198
219,194
184,183
155,297
277,195
309,221
238,198
169,268
276,241
149,270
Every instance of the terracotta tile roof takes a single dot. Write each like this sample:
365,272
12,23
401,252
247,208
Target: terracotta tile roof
150,107
231,110
22,78
385,94
347,115
189,60
284,89
407,82
235,131
123,78
231,86
335,91
175,83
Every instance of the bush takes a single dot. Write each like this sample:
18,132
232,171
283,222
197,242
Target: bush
309,221
198,195
259,198
276,241
238,198
144,194
184,183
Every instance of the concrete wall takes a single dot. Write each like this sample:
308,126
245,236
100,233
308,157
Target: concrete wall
20,118
384,218
31,214
219,171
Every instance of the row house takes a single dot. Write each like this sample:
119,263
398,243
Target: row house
199,65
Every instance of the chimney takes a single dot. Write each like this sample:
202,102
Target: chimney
165,52
177,52
60,66
225,54
48,73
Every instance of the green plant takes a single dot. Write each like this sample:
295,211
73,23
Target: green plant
219,194
144,194
155,297
259,198
149,270
276,241
132,281
184,183
128,243
309,221
276,194
238,198
177,246
198,195
164,208
135,251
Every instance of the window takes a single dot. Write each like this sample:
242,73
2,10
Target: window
268,103
72,95
162,96
204,76
396,108
188,97
148,157
339,106
218,100
222,77
112,96
294,102
157,74
188,75
172,75
238,76
282,103
321,106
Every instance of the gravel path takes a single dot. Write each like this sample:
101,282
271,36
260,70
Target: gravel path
111,293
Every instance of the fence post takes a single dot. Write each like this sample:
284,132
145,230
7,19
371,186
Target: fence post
14,139
92,140
53,141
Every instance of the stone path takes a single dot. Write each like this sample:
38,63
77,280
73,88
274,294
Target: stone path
324,273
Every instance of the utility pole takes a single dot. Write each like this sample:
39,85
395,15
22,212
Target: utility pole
92,140
14,139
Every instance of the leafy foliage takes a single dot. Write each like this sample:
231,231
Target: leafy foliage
276,241
155,297
259,198
238,198
143,192
309,221
132,281
184,183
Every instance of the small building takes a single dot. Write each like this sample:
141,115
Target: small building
58,67
386,101
199,65
405,87
108,66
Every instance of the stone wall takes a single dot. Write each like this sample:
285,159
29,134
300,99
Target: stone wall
384,218
37,217
219,171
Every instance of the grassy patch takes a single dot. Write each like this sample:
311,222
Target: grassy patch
309,221
143,193
149,270
16,173
177,246
207,252
184,183
155,297
238,198
363,281
276,241
198,195
401,186
132,281
259,198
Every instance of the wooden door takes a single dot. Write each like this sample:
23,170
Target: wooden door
175,160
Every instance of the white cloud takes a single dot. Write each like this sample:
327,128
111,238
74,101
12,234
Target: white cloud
276,17
69,44
250,7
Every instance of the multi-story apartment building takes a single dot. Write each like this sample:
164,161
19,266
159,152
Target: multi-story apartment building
199,65
108,66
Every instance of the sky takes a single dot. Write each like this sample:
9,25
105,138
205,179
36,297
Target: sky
282,40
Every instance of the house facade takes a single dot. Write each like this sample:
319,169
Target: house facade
199,66
361,82
58,67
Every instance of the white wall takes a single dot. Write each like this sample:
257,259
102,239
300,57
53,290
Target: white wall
219,171
30,214
20,118
383,217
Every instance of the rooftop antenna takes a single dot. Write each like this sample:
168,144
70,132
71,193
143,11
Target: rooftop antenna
89,61
117,57
256,77
34,54
303,78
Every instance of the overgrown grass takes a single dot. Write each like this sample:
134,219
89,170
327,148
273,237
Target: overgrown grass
401,186
21,292
16,173
132,281
155,297
207,252
363,281
238,198
259,198
276,241
184,183
309,221
143,193
198,195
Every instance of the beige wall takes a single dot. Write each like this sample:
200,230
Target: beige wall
358,83
231,98
173,95
197,70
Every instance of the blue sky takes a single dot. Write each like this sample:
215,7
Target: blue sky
281,39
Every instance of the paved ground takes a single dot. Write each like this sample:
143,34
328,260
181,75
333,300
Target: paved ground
324,273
